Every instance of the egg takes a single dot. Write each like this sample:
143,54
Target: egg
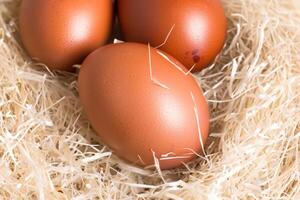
62,33
192,31
144,105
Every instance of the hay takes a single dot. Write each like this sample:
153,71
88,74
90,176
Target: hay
48,150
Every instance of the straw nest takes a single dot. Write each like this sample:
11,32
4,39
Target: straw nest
49,151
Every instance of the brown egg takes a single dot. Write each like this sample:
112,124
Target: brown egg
62,33
144,103
193,31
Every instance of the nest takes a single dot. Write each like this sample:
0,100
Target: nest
49,151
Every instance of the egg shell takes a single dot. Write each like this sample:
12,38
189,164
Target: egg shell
143,103
61,33
192,31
